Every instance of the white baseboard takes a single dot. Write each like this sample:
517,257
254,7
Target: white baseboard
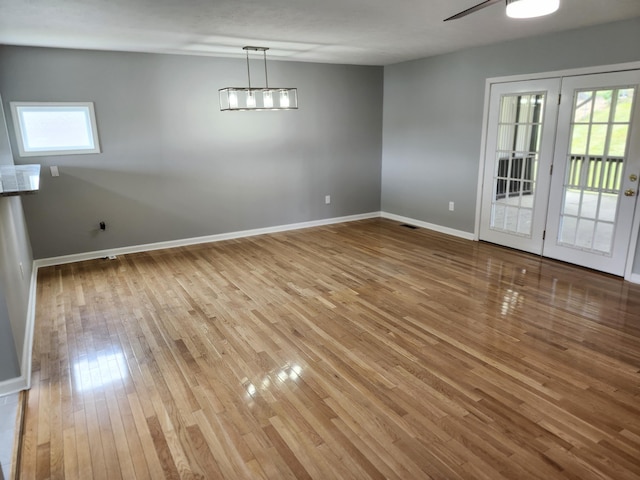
14,385
634,278
429,226
47,262
79,257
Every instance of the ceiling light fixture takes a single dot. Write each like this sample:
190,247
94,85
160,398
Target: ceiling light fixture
531,8
257,99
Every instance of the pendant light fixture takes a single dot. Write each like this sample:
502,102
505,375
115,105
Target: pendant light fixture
531,8
257,99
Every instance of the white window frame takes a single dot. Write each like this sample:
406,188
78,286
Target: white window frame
23,148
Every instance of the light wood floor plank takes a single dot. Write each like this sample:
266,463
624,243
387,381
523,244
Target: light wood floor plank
361,350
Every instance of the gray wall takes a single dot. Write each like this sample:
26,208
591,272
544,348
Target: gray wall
433,115
173,166
9,366
14,286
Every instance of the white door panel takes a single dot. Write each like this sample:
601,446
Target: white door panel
519,150
596,160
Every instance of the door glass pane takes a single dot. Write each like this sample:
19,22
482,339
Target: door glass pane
516,166
583,107
579,138
584,236
619,135
603,237
602,106
597,139
505,137
623,105
572,202
568,230
594,174
508,107
608,207
498,216
524,220
523,138
574,170
512,218
593,177
589,205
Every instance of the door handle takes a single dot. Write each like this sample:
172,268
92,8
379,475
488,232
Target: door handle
630,192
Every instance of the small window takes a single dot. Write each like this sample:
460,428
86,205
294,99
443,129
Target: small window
55,128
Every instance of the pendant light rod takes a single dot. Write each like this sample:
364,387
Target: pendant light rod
248,69
266,77
264,55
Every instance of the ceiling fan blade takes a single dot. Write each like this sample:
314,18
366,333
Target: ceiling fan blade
475,8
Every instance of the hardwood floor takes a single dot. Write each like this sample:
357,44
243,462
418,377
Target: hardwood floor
362,350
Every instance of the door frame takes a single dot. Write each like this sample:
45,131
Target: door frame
633,242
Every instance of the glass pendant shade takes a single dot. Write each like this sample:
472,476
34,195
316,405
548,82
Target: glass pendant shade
257,99
251,99
285,101
531,8
267,97
232,100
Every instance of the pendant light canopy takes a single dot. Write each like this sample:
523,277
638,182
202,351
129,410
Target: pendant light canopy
531,8
258,99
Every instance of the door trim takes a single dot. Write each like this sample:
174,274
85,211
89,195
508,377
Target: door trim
619,67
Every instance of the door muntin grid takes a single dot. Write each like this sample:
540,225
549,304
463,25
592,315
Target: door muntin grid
598,144
516,163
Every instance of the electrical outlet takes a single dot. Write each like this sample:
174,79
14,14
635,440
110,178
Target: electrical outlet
54,171
451,206
327,199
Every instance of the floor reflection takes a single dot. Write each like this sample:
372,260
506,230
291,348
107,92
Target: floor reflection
284,374
100,371
510,302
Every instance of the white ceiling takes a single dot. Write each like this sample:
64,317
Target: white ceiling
363,32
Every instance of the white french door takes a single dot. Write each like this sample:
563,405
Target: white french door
596,163
583,212
519,149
